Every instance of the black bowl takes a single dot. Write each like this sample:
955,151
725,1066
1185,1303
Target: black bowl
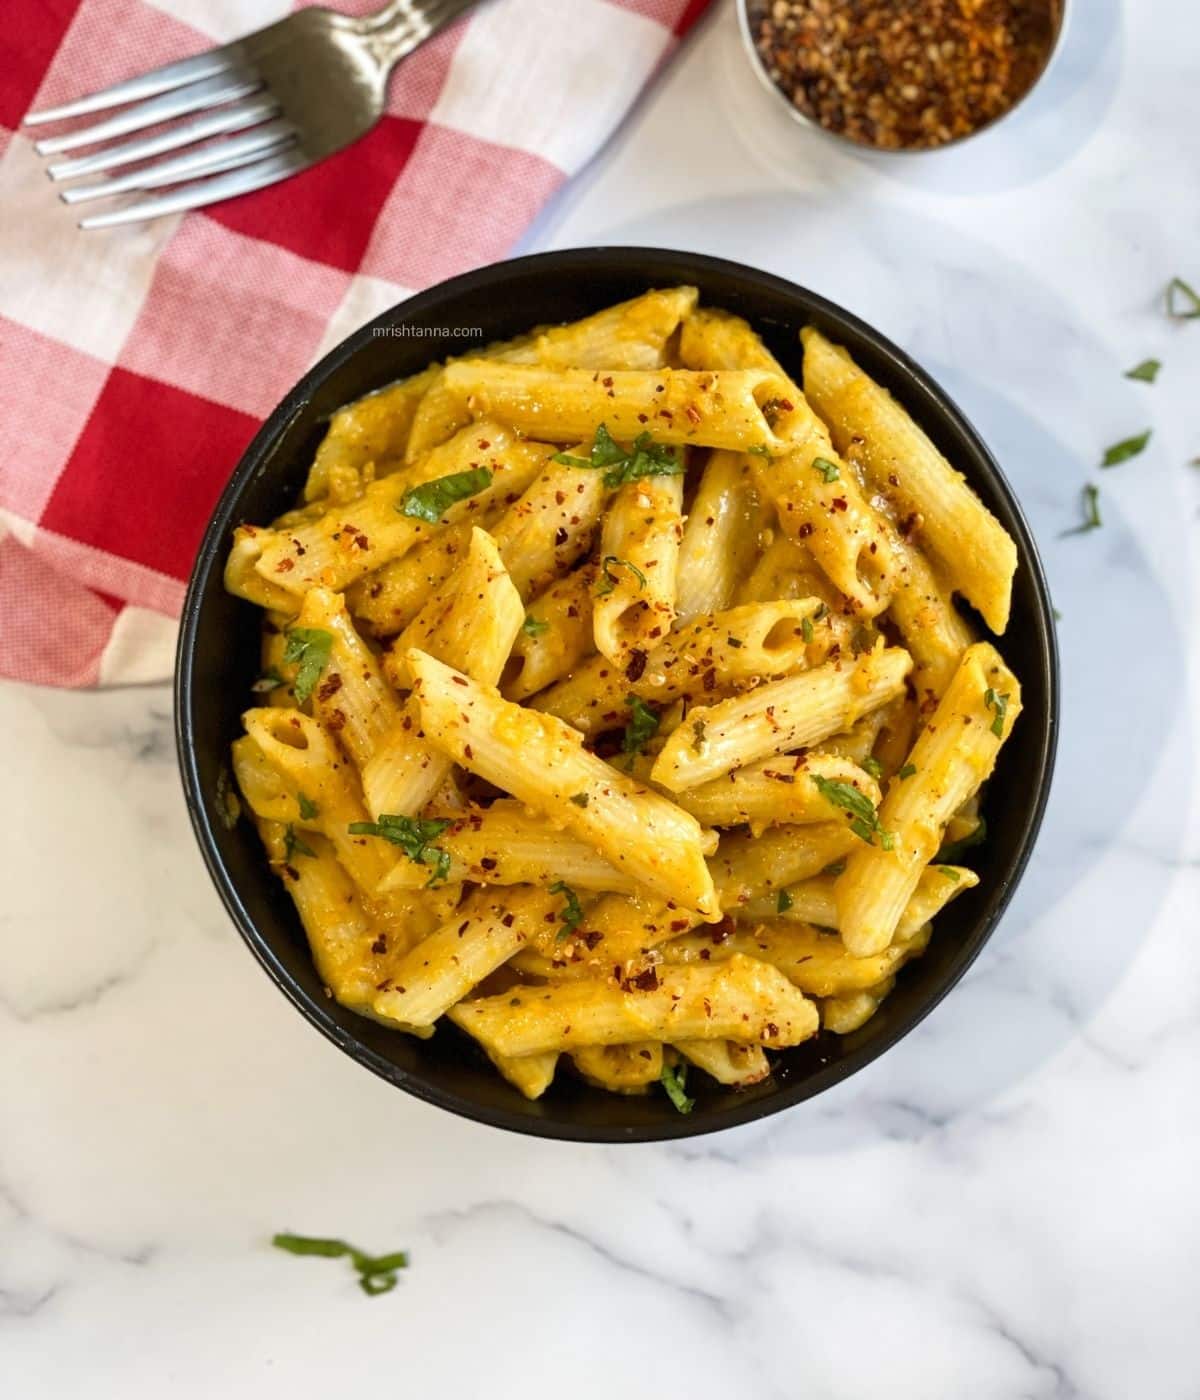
219,657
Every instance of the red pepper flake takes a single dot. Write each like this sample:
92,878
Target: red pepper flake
678,925
693,413
380,944
636,666
468,751
508,920
644,981
839,503
285,566
484,444
804,531
487,863
591,938
330,686
335,720
459,680
560,536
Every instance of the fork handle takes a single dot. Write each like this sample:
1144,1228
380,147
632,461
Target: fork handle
403,25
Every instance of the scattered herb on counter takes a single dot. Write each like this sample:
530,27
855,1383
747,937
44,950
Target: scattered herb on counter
1122,451
308,808
783,902
534,626
431,500
414,837
572,915
376,1273
1146,372
609,580
1091,513
269,679
310,648
294,846
1183,302
674,1078
828,470
864,818
645,458
642,727
999,703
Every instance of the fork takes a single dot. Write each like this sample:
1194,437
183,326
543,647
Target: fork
279,100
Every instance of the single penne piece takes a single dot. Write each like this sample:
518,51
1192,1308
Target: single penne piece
505,844
815,962
751,867
851,1012
779,717
472,627
370,432
720,536
242,578
634,602
775,791
976,553
532,1075
449,964
742,999
677,407
953,755
812,901
347,542
554,638
551,526
621,1069
726,1061
541,762
351,698
630,335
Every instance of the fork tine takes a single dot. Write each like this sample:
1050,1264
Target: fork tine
268,171
164,79
234,117
225,87
209,160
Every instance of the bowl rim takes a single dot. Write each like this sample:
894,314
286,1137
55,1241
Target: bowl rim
210,555
1053,54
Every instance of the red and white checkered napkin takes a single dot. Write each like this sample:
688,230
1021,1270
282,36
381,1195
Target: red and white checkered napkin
137,363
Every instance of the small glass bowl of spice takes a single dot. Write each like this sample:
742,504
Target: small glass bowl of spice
901,75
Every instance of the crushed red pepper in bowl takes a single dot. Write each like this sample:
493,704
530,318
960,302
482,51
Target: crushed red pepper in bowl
904,74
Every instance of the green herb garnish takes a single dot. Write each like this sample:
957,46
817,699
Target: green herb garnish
376,1274
642,727
1183,302
1122,451
414,836
646,458
310,647
572,915
534,626
872,766
294,846
907,771
673,1079
806,629
951,853
609,580
1091,512
783,902
949,872
308,808
1147,371
269,679
431,500
864,818
580,799
999,703
827,469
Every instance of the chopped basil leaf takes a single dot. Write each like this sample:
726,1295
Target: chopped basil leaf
308,808
864,818
580,799
1147,371
760,450
949,872
783,902
907,771
1122,451
431,500
269,679
294,846
609,580
641,728
674,1078
950,854
1091,512
827,469
572,915
647,458
534,626
376,1275
872,766
310,646
414,837
806,629
999,703
1183,303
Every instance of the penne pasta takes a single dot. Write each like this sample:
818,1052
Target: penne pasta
726,1061
621,1069
720,537
554,638
634,601
747,867
812,901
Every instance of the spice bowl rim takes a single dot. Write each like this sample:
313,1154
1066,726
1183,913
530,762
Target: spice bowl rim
1066,9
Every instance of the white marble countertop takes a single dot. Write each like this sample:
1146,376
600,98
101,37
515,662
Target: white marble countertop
1004,1206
